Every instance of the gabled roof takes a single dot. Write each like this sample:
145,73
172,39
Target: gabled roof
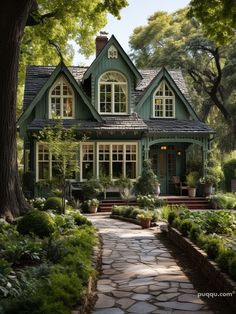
113,41
151,79
37,76
46,83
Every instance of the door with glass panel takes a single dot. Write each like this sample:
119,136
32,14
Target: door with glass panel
164,165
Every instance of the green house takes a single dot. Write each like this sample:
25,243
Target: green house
127,115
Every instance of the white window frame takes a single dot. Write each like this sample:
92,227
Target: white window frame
113,94
81,159
50,162
124,144
164,98
61,97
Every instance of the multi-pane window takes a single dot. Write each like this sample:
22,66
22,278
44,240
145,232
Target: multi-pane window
87,159
117,160
61,100
47,165
112,93
164,102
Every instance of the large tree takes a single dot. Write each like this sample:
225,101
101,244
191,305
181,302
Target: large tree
218,18
174,41
53,20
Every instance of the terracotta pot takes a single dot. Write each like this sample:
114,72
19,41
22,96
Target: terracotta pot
93,209
145,223
192,192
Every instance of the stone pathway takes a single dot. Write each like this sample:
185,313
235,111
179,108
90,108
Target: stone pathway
139,275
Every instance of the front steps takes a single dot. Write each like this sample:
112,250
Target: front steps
190,203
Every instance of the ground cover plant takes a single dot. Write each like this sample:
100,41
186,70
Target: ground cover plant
133,212
47,271
213,231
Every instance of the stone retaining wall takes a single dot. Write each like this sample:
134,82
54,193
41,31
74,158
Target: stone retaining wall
217,279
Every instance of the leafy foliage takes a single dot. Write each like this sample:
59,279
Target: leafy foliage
57,281
147,183
37,222
53,203
175,41
217,18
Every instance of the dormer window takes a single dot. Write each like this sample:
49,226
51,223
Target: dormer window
164,102
112,93
61,100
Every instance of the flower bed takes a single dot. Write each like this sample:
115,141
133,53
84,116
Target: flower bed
132,213
212,231
47,268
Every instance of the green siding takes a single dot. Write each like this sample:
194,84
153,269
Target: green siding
118,65
146,110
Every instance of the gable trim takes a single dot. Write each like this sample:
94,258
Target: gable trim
61,68
113,41
164,74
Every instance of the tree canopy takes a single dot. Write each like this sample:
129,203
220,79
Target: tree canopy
217,17
174,41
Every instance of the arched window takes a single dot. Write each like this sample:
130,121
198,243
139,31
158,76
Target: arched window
164,102
112,93
61,100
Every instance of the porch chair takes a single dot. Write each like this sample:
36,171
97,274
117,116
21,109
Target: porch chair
179,185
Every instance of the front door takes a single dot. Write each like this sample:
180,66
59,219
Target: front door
164,165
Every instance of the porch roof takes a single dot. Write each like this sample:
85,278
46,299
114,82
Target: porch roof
123,123
174,126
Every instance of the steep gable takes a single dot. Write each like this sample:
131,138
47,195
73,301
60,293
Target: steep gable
38,82
111,44
151,80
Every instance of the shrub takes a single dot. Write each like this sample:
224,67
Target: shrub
224,258
54,203
232,267
186,226
81,220
194,233
134,213
176,223
229,169
91,188
213,246
37,222
128,212
172,215
146,201
147,183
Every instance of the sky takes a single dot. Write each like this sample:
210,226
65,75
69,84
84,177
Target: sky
136,14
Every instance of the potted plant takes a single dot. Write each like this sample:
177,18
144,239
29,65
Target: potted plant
145,219
93,205
208,180
125,185
192,179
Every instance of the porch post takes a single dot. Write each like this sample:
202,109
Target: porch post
146,149
204,155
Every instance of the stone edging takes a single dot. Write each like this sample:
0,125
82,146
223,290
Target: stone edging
90,295
131,220
219,280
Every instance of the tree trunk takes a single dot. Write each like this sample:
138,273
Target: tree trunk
13,17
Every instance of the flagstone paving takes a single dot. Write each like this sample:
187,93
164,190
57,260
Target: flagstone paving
139,275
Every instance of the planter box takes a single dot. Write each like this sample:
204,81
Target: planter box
217,279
